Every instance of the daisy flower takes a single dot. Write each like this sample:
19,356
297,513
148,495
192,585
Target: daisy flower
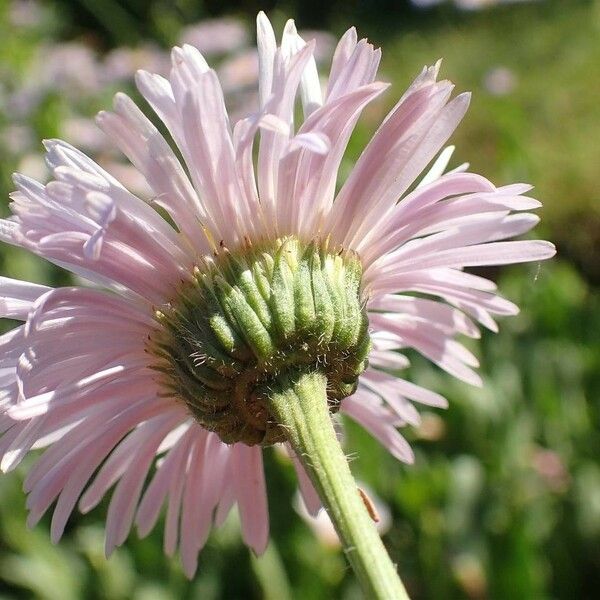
246,285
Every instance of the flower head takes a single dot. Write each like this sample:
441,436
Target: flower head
159,370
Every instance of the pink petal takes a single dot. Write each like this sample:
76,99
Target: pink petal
311,499
251,496
158,489
377,421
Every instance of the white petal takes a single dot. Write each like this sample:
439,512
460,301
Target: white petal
438,167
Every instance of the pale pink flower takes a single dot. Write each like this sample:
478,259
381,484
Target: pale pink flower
121,64
239,72
216,36
500,81
76,377
27,14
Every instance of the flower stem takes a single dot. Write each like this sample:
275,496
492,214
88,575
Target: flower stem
300,405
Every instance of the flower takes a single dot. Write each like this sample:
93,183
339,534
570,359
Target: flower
216,36
144,374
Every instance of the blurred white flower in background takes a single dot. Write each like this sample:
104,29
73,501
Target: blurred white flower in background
25,13
500,81
85,133
321,524
216,36
16,138
466,4
121,64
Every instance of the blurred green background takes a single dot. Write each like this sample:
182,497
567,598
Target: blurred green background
504,498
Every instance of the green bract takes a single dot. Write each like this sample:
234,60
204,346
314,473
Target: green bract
252,316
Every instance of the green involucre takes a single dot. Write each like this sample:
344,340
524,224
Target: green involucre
249,318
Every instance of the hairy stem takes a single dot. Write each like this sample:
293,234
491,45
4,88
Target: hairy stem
299,403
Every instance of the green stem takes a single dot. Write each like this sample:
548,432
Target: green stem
299,403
